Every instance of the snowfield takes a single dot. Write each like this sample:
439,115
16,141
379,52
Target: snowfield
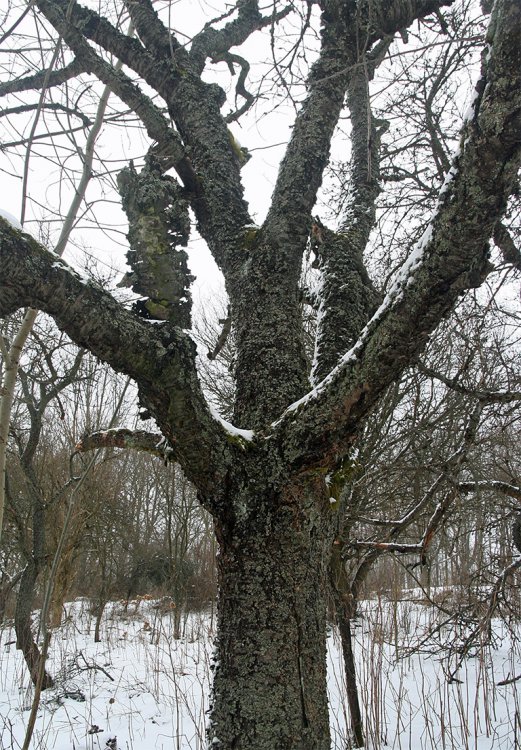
142,689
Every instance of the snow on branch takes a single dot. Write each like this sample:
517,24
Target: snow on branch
511,490
140,440
31,276
451,257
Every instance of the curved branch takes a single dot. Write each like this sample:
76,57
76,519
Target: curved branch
240,89
384,17
53,106
160,358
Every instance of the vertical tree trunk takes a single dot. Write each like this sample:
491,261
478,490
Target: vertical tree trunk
270,689
26,594
345,604
22,623
357,732
6,588
61,588
100,608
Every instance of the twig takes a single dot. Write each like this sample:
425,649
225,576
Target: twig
509,681
95,666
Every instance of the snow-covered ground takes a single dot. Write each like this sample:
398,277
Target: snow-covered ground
150,690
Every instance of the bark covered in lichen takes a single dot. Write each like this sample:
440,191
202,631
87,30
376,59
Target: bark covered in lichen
161,359
159,228
346,298
269,676
268,492
454,257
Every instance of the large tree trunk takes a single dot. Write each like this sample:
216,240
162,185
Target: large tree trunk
270,672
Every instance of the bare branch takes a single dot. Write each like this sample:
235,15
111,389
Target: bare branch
488,397
451,468
51,106
14,25
48,77
483,625
494,485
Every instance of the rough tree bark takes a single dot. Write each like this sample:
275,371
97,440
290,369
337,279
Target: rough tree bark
268,485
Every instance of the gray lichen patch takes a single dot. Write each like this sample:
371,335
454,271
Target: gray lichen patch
159,228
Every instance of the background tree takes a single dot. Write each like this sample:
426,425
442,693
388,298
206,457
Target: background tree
269,484
45,384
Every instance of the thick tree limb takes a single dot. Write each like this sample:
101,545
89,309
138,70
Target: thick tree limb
211,42
301,170
217,193
215,43
317,430
492,485
451,257
160,358
348,31
347,296
152,32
